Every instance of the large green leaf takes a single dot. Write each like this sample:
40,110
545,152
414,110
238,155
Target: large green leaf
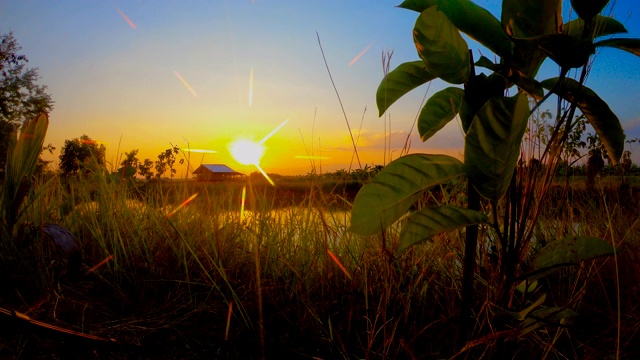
394,189
570,251
525,19
492,144
428,222
587,9
630,45
441,108
477,92
400,81
602,26
546,316
566,50
441,47
22,160
602,119
471,19
532,87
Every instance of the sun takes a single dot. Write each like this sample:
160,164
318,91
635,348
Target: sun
247,152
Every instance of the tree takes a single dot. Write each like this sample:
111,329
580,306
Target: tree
129,165
81,153
145,168
166,160
21,98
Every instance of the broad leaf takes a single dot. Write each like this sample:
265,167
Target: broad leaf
441,108
602,119
394,189
529,18
486,63
532,87
480,89
546,316
630,45
602,26
567,51
471,19
519,315
571,251
428,222
587,9
441,47
400,81
492,144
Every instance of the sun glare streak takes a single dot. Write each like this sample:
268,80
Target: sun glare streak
273,132
248,152
337,261
202,151
184,203
100,264
126,18
251,87
185,83
244,197
355,59
265,175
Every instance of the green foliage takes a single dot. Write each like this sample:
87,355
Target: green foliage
397,187
602,119
492,144
81,154
441,47
21,98
600,26
400,81
22,159
428,222
570,251
441,108
529,31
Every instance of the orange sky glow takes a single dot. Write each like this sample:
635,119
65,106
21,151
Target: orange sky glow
203,76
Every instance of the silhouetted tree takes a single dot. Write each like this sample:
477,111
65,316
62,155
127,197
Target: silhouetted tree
144,169
166,161
20,97
81,153
129,165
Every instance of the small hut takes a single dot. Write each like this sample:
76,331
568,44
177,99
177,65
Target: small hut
214,172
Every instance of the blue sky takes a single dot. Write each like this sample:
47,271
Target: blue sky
120,85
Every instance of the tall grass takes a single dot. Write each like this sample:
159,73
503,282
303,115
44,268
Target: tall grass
295,281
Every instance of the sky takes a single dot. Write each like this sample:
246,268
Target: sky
149,74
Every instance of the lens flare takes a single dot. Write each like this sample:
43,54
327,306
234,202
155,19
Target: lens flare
355,59
201,151
244,197
247,152
126,18
185,83
184,203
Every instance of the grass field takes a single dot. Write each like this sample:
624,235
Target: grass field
285,279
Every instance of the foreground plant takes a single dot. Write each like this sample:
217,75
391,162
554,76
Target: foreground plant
22,159
494,126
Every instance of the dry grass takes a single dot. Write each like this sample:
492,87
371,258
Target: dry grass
292,282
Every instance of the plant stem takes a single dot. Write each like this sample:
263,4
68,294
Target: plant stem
468,268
